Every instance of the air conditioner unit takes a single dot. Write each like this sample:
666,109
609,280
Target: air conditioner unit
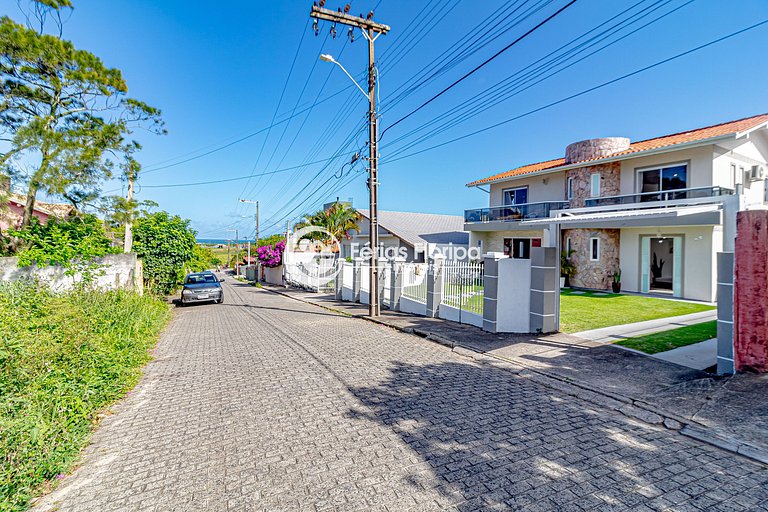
757,172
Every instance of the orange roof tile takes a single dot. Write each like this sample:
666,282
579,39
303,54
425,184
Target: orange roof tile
700,134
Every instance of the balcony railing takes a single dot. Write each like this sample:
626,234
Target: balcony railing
664,195
514,212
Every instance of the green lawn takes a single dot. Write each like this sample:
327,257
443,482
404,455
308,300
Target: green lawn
590,310
667,340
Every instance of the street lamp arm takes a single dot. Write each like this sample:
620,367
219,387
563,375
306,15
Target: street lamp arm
328,58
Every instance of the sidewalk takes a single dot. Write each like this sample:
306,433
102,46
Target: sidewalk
730,412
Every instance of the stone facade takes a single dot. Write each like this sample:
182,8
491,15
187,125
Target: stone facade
610,182
594,148
596,275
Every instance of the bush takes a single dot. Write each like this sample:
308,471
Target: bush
203,258
63,358
166,244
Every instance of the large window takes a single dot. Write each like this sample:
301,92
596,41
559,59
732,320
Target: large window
594,185
516,195
520,248
664,180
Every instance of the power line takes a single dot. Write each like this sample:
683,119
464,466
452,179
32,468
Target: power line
481,65
586,91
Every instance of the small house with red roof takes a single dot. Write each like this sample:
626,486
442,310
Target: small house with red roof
12,207
653,209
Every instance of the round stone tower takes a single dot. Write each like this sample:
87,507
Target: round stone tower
594,148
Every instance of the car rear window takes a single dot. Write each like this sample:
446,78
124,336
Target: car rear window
203,278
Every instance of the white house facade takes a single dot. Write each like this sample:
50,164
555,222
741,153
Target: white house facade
652,209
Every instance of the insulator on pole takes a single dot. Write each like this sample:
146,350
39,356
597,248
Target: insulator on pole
351,34
333,31
316,28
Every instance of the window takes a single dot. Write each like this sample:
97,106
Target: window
733,179
568,246
594,249
520,248
663,179
515,195
569,191
594,189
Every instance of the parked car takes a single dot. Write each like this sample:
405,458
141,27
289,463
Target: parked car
202,287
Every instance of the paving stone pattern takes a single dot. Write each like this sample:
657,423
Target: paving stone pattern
266,403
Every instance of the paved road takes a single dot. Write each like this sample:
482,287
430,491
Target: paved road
265,403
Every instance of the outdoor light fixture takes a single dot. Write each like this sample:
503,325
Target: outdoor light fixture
327,58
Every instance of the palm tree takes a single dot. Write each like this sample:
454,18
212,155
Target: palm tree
339,219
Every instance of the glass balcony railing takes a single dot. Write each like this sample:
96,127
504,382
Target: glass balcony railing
664,195
514,212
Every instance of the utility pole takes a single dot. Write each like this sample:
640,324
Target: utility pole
371,31
256,239
128,238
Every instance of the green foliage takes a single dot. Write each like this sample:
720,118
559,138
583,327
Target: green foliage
63,109
73,244
203,258
567,269
166,244
270,240
339,219
63,359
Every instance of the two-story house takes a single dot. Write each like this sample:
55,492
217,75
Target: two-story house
653,208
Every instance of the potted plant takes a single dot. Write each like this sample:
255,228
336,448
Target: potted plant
616,281
567,269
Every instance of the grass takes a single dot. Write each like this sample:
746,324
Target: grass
582,312
668,340
64,358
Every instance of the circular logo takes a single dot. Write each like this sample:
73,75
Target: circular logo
312,256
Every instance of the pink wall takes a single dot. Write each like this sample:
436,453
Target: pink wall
11,217
750,309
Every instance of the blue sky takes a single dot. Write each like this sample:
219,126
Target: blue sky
218,74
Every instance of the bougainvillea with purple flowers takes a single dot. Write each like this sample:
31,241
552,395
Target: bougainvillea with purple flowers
271,256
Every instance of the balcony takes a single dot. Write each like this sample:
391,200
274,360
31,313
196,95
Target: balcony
514,212
666,195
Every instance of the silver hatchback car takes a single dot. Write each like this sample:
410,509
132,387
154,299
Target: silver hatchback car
202,287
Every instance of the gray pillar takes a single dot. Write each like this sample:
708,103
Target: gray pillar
357,268
395,283
491,290
435,285
339,279
725,271
544,289
383,269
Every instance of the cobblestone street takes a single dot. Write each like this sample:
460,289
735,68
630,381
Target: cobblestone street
266,403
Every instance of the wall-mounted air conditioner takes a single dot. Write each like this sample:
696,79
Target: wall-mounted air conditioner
757,172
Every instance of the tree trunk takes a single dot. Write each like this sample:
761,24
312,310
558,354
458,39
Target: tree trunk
29,206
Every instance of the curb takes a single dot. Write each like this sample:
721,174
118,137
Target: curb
631,408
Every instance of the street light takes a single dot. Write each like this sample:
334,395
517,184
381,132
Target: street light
256,236
373,180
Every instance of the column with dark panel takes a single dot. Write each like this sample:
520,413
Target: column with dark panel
544,289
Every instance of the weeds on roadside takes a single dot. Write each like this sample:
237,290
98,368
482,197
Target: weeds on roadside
63,359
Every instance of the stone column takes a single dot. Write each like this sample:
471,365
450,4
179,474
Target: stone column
544,289
491,289
725,313
395,283
357,268
435,285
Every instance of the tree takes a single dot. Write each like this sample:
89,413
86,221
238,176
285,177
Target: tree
338,219
166,244
64,115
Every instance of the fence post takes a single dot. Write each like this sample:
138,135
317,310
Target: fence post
339,279
544,289
383,269
435,284
490,290
396,282
357,265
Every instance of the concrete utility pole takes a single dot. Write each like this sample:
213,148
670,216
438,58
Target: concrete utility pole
371,30
128,238
256,217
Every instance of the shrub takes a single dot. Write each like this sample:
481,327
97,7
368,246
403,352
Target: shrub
203,258
63,358
166,244
271,256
